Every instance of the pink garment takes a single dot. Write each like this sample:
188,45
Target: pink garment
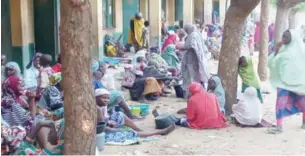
257,32
203,109
171,39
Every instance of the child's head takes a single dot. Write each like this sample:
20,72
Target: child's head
146,23
243,61
140,59
45,60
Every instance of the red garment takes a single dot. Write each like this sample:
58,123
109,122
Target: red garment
171,39
56,68
257,32
203,109
13,88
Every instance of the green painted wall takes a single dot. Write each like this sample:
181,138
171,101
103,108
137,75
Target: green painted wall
178,10
22,54
6,42
216,7
130,8
45,27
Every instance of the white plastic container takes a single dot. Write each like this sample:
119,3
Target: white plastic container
100,141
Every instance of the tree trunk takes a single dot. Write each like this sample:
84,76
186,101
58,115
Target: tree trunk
235,18
281,22
80,108
264,40
292,19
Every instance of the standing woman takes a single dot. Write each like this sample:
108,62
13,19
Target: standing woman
136,31
287,74
194,63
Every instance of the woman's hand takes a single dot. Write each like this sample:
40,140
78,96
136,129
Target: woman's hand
31,94
112,123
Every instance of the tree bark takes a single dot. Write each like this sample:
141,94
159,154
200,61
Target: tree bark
80,109
292,19
264,40
235,18
282,13
281,19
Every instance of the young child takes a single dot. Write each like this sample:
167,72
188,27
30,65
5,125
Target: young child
141,63
249,76
145,36
46,71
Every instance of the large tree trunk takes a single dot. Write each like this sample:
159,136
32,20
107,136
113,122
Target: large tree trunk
282,13
292,18
280,22
80,108
235,18
264,40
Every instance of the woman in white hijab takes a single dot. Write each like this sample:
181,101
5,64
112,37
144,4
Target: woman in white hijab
248,111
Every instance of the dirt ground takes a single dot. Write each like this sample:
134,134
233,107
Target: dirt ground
230,141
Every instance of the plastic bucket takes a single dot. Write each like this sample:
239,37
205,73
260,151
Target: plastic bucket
100,141
100,127
135,110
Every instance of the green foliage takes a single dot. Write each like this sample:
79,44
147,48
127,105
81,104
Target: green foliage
298,8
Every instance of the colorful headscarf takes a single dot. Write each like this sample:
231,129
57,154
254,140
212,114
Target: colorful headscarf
171,39
15,66
220,93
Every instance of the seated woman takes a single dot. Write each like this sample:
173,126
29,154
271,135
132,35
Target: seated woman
171,39
31,74
202,110
215,86
170,56
15,104
57,67
248,75
116,98
116,121
248,111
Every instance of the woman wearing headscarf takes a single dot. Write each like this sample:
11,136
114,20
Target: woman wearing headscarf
215,86
171,39
32,73
136,31
116,98
248,111
249,76
202,110
194,62
115,122
287,74
170,56
16,102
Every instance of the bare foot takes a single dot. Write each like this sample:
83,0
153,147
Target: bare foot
169,129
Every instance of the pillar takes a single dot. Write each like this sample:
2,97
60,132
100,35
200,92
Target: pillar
222,11
199,10
188,11
97,30
208,8
144,8
171,12
155,22
22,31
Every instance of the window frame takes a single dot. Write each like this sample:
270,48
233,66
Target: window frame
108,17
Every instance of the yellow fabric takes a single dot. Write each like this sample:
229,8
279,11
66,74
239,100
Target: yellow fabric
111,50
138,30
151,86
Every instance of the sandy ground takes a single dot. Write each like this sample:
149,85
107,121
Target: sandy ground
231,140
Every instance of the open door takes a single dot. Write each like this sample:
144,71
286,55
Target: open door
130,8
46,29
